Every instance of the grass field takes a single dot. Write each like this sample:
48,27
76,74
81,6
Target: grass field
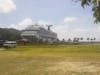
50,60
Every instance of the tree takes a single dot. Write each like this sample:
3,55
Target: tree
75,40
91,40
9,34
94,38
95,8
88,38
81,38
63,40
69,41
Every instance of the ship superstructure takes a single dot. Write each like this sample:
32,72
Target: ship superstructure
38,33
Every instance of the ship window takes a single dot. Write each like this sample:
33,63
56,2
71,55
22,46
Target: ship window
29,33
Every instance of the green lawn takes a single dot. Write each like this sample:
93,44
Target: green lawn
41,59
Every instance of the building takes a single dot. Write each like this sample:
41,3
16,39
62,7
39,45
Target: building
36,33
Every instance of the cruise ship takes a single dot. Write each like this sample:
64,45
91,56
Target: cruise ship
37,33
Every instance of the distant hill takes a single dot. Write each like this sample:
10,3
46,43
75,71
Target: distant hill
9,34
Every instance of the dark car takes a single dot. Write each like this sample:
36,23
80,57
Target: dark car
2,42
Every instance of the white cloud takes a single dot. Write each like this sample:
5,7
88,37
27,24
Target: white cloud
28,21
70,19
7,6
61,30
80,30
42,22
98,28
23,24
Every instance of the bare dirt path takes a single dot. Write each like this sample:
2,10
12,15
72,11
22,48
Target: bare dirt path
78,67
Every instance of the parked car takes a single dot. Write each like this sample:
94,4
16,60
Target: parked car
2,42
10,44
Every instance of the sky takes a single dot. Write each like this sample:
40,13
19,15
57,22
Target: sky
68,18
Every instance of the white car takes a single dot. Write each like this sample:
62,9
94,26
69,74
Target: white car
10,44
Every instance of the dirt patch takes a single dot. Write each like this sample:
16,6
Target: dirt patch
1,49
76,67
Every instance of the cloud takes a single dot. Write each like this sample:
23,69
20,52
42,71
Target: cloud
42,22
70,19
23,24
7,6
61,30
98,28
80,30
28,21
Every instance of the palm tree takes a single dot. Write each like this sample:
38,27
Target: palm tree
88,39
58,40
81,38
69,41
91,40
63,40
76,40
94,39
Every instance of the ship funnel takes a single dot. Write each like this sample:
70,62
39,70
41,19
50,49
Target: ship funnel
49,26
